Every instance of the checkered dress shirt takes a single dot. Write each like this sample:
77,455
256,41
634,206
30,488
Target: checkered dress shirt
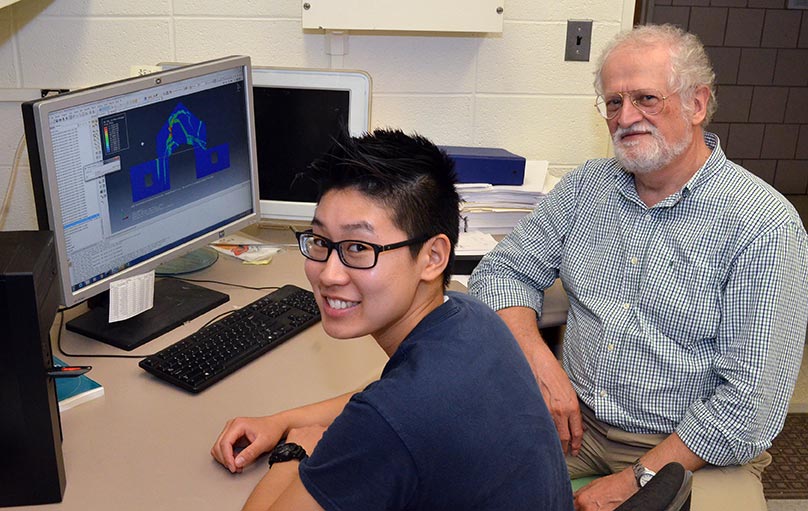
687,316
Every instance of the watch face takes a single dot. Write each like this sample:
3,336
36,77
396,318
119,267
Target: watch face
286,452
642,474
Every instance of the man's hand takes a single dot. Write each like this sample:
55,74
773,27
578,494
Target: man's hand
606,493
553,382
254,436
562,402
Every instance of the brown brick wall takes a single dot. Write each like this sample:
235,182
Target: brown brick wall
759,50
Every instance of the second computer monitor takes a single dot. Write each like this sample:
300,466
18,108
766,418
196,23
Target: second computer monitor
298,112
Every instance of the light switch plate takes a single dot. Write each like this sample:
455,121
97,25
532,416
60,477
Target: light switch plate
579,40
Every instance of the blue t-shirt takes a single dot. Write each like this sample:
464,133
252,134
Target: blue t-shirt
456,422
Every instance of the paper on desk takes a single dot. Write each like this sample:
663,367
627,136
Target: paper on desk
474,243
497,208
491,220
534,182
130,296
249,250
461,279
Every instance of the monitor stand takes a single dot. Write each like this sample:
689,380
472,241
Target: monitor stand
175,302
191,262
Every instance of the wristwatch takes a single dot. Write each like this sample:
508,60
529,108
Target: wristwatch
286,452
642,474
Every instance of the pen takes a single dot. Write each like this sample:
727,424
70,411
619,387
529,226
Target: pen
68,371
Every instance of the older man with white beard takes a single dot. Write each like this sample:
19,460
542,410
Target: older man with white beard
686,276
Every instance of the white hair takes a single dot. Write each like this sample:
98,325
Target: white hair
690,65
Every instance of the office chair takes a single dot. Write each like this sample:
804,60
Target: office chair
669,490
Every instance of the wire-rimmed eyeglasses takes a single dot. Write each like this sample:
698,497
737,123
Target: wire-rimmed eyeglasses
647,101
360,255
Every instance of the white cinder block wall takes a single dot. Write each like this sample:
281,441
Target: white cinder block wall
512,90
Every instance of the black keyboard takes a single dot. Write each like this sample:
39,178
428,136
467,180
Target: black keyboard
215,351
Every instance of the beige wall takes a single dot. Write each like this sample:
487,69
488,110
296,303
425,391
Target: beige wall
512,90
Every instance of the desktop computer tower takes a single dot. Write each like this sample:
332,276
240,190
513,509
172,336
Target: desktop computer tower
31,464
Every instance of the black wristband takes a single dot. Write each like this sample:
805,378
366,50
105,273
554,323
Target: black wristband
286,452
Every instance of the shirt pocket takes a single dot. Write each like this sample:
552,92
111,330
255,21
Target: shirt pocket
683,298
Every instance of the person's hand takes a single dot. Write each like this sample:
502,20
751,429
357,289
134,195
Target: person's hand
606,493
559,396
306,437
252,435
561,400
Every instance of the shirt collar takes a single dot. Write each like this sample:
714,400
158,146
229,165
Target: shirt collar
713,164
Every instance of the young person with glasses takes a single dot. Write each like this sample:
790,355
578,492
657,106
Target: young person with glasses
456,420
686,276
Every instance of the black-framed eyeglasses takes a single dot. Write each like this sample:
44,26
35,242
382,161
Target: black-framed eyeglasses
647,101
360,255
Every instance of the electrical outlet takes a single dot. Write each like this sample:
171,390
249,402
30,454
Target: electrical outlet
142,70
52,92
579,40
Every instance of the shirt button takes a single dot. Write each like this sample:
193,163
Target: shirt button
610,347
627,306
602,393
648,217
634,260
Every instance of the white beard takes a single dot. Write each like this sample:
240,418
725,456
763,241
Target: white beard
643,159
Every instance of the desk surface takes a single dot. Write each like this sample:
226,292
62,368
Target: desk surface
145,444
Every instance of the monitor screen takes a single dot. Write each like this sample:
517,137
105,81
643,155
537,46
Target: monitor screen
293,127
131,174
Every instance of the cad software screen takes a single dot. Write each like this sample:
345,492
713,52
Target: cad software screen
141,173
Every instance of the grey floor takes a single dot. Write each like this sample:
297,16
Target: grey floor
788,505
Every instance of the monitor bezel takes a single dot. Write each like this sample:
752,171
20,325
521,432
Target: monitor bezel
50,203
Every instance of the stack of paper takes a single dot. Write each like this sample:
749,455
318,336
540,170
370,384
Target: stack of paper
496,209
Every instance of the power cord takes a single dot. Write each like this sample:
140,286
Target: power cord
11,181
87,355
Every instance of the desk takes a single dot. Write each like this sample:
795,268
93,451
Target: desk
145,444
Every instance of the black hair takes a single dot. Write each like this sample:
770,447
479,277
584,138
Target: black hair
407,174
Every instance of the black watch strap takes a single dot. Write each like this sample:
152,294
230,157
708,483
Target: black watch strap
286,452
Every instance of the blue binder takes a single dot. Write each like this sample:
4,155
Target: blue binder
487,165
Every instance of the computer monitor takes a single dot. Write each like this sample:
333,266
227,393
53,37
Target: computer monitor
298,112
135,173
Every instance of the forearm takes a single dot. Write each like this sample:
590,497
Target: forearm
320,413
522,323
271,486
555,385
669,450
672,449
609,491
